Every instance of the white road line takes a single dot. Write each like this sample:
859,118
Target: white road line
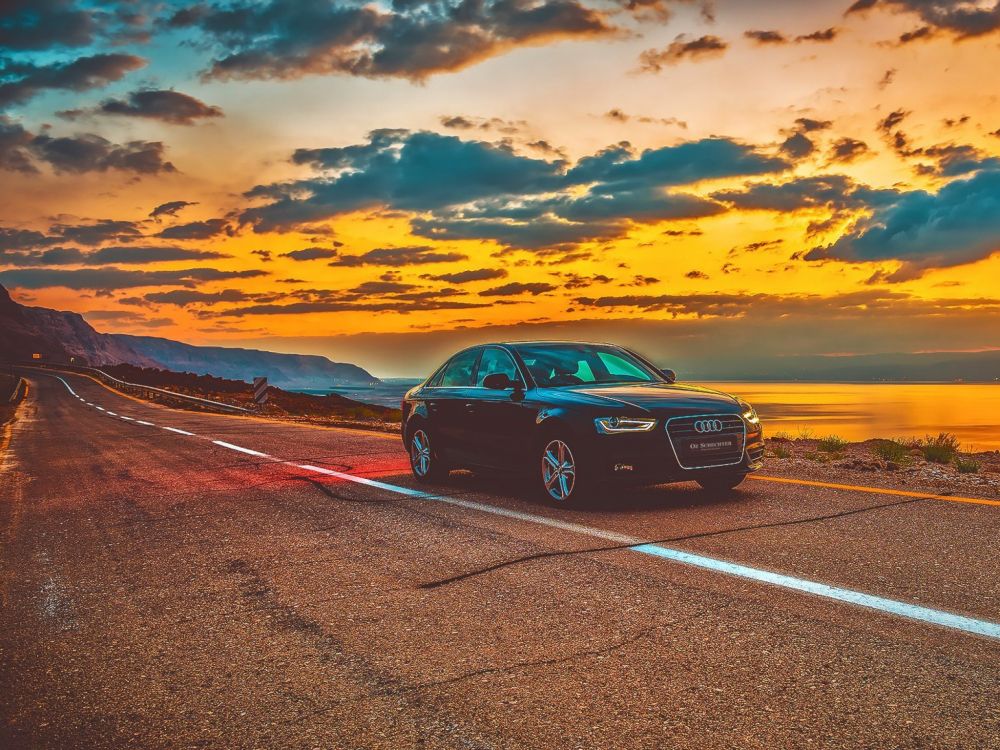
906,610
111,413
148,424
857,598
179,431
101,408
128,418
241,450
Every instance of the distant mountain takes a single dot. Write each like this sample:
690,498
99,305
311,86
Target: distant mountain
62,336
979,367
288,371
59,337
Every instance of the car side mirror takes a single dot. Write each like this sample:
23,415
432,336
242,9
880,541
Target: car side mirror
498,381
670,375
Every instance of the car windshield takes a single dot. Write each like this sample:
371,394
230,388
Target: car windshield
579,364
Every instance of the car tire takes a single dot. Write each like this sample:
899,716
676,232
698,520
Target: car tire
425,461
558,472
721,482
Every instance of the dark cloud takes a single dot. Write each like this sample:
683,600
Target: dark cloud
887,78
197,230
700,275
186,297
504,127
20,81
766,37
89,153
164,105
823,35
845,150
310,253
682,48
96,232
15,143
917,35
140,254
516,288
961,19
832,192
170,208
957,225
285,39
464,277
948,159
809,125
398,256
620,116
122,255
116,278
477,190
22,239
798,146
50,24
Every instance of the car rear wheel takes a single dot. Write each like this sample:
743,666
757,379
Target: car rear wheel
425,462
722,482
560,472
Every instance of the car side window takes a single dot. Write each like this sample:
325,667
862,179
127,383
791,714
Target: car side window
458,373
496,361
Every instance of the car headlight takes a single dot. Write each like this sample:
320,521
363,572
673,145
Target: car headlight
617,425
749,414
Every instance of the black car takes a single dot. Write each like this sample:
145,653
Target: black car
573,415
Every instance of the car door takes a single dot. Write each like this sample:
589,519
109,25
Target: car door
499,421
447,405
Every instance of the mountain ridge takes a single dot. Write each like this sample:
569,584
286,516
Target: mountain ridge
64,337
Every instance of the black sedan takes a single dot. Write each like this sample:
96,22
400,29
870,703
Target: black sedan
574,415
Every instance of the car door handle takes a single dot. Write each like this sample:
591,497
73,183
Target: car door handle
470,406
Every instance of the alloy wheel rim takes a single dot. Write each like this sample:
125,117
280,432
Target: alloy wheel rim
558,470
420,453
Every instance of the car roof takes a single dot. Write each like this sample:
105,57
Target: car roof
557,341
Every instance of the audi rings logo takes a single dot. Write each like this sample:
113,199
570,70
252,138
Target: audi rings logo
708,425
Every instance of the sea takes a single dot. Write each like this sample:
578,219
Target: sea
853,411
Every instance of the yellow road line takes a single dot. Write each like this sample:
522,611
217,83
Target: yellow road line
879,490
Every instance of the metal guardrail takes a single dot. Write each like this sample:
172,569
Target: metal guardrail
136,389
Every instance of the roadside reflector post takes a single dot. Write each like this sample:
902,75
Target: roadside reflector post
260,391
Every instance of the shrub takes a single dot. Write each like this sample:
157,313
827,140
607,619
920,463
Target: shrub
805,433
781,451
967,465
782,435
891,450
832,444
940,449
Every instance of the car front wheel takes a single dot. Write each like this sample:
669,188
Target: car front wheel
425,462
560,472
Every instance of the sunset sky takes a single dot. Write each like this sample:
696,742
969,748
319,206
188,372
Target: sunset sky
383,182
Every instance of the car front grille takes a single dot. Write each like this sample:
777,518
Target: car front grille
707,449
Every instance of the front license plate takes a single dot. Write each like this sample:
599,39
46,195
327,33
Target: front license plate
712,445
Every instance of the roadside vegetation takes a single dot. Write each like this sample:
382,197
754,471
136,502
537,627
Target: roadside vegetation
832,444
332,409
900,454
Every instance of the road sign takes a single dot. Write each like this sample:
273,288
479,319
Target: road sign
260,390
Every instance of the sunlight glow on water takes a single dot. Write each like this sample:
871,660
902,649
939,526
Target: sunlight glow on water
868,410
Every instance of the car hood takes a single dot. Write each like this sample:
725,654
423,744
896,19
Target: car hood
671,397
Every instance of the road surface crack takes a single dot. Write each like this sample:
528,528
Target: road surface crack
701,535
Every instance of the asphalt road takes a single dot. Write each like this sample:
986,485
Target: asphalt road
160,589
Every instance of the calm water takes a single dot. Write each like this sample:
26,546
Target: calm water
852,411
861,411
